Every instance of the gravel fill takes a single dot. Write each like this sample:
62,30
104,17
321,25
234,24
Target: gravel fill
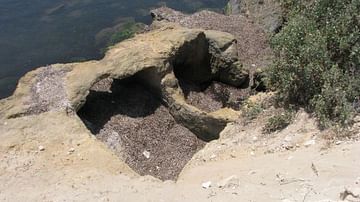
253,46
139,129
213,96
48,92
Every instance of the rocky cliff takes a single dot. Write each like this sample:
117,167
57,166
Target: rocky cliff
165,62
152,105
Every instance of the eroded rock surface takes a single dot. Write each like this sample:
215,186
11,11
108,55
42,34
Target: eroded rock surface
49,154
132,121
253,47
162,124
48,92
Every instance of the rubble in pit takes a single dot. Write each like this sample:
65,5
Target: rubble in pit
134,123
214,96
145,120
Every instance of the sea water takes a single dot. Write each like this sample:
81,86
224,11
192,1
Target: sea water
35,33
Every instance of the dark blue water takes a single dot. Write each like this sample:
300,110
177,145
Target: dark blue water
34,33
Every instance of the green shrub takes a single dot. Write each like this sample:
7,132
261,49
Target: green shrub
318,58
252,110
278,122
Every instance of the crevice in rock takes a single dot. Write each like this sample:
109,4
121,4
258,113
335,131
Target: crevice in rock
132,121
192,61
200,81
213,96
157,120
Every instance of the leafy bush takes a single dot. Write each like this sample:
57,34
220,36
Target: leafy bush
278,122
318,58
252,110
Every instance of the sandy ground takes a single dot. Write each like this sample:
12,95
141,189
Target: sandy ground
242,165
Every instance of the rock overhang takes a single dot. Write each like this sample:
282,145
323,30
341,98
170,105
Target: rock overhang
154,50
159,59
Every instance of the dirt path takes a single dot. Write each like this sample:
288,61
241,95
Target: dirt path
273,177
234,168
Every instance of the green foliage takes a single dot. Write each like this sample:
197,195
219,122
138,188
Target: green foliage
278,122
318,58
290,7
126,31
252,110
227,9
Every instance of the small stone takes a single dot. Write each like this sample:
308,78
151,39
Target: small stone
252,153
288,139
357,180
290,157
252,172
255,138
206,185
41,148
146,154
338,142
357,119
287,146
213,156
309,143
114,133
5,123
230,182
71,150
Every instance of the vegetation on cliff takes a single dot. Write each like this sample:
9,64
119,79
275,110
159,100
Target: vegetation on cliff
317,62
113,35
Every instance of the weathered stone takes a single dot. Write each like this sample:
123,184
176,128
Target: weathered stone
206,185
195,54
41,148
252,44
231,182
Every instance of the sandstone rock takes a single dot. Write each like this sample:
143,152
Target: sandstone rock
146,154
230,182
71,150
339,142
252,172
41,148
206,185
153,57
253,46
